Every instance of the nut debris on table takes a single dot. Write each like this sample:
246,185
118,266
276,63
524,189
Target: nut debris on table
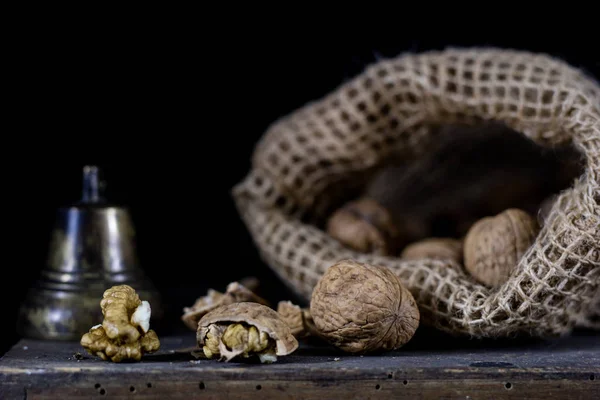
298,319
236,292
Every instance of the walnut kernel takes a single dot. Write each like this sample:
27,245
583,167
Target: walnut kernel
125,331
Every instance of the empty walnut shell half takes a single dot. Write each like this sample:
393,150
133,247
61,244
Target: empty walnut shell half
434,248
245,330
494,245
236,292
364,225
363,308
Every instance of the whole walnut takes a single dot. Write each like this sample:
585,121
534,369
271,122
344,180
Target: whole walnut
364,225
494,245
436,248
362,308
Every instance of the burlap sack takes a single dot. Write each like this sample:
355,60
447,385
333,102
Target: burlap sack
309,160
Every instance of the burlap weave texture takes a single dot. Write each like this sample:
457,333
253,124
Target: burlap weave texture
308,160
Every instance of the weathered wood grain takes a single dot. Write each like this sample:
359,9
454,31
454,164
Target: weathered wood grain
566,368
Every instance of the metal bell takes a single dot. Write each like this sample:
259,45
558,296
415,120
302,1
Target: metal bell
92,248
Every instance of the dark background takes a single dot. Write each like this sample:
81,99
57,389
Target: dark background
98,98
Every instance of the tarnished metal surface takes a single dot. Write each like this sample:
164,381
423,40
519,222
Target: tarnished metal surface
91,249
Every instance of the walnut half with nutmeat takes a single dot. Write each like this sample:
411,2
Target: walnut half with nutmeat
244,330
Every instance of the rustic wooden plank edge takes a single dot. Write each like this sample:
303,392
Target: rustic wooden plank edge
35,369
412,385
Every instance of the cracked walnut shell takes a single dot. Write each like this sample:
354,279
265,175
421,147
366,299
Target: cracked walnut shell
292,315
363,308
236,292
298,319
243,330
494,245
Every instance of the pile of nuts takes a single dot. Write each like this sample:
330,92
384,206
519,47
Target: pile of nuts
489,252
477,198
358,308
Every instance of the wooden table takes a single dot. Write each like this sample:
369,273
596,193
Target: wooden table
428,367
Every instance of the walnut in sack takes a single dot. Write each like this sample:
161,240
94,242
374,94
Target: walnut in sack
364,225
363,308
436,248
244,330
494,245
236,292
125,333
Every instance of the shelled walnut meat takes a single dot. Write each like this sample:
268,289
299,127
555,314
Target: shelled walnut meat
435,248
125,333
494,245
362,308
245,330
364,225
236,292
